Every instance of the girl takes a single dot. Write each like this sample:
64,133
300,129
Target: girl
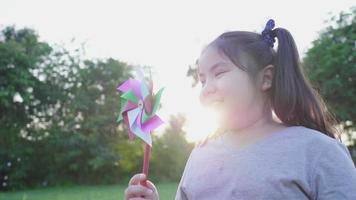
291,156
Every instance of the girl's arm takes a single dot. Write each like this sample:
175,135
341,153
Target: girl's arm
334,174
181,193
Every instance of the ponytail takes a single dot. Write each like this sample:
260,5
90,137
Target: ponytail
293,99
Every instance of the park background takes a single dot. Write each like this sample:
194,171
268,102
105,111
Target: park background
60,63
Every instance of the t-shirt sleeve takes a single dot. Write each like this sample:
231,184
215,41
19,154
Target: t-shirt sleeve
334,173
181,194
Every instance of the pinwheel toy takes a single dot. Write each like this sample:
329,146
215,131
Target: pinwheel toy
138,111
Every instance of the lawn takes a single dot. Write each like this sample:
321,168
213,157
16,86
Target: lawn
102,192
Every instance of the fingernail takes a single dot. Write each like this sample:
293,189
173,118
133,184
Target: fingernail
150,191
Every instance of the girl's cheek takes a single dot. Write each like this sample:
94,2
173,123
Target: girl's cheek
235,104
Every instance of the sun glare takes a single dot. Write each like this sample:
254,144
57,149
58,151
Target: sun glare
201,124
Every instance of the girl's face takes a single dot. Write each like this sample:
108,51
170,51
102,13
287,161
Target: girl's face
228,89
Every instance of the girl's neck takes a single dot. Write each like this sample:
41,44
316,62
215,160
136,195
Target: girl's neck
255,131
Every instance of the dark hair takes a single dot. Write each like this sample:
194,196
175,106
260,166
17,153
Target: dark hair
292,97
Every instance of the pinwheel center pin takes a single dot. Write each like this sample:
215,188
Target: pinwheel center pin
140,104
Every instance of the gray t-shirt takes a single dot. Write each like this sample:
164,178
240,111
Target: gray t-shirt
293,163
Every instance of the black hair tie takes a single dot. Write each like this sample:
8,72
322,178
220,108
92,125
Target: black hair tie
268,34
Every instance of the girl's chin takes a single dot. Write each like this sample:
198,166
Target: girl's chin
224,119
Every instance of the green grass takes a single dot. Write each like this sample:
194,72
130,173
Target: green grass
102,192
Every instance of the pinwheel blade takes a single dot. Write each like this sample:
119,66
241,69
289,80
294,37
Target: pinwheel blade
130,95
137,129
133,115
144,90
152,124
125,106
156,101
146,137
133,85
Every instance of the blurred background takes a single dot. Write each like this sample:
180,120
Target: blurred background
61,61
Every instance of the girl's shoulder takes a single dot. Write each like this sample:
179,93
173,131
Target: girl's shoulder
293,138
311,136
314,140
210,139
296,133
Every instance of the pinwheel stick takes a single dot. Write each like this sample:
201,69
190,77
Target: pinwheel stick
146,162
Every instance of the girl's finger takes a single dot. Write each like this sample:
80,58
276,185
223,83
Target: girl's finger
138,191
151,186
137,178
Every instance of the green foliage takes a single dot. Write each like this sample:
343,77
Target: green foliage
330,64
58,119
62,128
170,152
20,53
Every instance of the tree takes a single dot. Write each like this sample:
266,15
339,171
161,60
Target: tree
170,151
330,65
57,114
20,94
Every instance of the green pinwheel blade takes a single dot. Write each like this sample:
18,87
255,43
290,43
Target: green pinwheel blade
145,117
123,105
156,101
130,95
119,118
127,96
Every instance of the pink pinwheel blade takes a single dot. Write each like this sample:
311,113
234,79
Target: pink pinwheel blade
152,124
131,84
130,105
148,104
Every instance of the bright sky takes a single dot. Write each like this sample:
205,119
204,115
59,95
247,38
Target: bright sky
167,35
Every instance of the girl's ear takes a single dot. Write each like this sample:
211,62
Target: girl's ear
267,77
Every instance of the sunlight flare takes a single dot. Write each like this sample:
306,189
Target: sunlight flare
202,123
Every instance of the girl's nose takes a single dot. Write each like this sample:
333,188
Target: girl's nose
208,89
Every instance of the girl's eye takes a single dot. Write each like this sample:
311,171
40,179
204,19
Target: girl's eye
219,73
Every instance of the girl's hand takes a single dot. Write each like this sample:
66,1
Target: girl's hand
136,191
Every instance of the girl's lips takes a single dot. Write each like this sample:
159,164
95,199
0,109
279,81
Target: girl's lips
216,103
